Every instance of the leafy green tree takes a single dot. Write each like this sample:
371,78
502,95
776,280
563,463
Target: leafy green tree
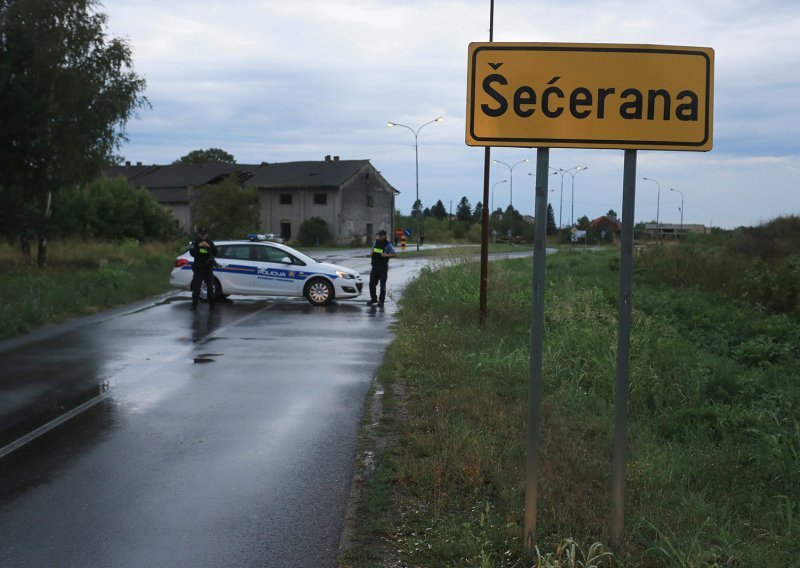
439,210
210,156
66,93
111,209
464,210
583,223
228,210
314,232
611,214
416,209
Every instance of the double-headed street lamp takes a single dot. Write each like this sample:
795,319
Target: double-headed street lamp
679,191
416,159
572,174
658,206
511,193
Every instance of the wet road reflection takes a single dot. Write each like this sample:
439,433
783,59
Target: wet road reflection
209,438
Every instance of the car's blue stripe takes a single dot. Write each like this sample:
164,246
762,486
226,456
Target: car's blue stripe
272,272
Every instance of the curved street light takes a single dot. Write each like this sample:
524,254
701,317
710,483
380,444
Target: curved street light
679,191
511,193
658,206
491,209
578,169
416,159
561,194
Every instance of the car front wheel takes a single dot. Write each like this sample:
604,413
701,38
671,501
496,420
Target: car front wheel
319,292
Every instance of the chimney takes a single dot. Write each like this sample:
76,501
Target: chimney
127,164
336,158
328,158
138,163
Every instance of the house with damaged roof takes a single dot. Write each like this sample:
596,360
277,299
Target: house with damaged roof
351,196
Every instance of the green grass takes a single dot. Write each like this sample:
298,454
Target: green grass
81,278
713,474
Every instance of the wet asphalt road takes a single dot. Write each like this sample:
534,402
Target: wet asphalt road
171,438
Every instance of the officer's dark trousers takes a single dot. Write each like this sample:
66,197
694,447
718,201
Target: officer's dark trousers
378,275
198,277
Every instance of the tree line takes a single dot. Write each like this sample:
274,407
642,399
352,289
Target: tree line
439,224
66,93
505,225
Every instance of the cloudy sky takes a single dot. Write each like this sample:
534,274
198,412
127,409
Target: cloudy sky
277,81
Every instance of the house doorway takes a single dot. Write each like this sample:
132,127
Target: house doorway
369,233
286,230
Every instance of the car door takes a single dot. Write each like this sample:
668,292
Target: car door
277,272
237,270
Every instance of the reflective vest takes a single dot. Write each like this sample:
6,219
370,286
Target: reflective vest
377,251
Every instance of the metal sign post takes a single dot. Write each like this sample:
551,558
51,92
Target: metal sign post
623,350
537,343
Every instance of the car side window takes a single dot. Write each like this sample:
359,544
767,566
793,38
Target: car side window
234,252
266,253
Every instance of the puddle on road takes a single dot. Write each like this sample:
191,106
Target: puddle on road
206,357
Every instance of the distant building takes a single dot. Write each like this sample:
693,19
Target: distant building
350,195
672,230
608,225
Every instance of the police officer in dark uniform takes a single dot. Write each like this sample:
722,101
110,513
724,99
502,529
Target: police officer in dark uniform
382,251
204,251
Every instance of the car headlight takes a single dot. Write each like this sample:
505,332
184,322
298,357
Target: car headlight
345,275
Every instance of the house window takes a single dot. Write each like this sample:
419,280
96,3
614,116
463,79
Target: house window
370,201
286,198
320,199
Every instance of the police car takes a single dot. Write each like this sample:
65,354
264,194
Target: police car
270,269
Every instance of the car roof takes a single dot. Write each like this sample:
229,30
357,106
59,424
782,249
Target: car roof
281,246
249,242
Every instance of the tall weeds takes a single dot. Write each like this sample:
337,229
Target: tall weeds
760,264
81,278
713,473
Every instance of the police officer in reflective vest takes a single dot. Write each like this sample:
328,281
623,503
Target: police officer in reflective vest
203,251
382,251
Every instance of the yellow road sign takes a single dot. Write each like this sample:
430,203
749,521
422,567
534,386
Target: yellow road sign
643,97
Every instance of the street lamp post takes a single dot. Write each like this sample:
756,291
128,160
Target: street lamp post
572,174
416,159
561,194
679,191
511,193
491,209
658,207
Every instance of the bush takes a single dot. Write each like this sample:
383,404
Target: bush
314,232
111,209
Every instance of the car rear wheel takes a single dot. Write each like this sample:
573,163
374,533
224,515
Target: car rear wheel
319,292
